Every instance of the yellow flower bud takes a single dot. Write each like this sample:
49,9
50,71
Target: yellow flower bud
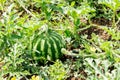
13,78
35,77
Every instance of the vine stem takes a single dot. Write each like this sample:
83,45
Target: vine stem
114,14
26,9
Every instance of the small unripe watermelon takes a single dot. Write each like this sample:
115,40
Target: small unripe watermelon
47,46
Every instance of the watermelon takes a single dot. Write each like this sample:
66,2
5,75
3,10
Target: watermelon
47,46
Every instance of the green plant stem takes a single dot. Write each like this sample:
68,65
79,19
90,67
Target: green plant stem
94,55
26,9
114,14
118,19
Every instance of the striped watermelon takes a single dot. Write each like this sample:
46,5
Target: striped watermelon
47,46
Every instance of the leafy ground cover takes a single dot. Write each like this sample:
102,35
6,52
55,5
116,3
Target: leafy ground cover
90,30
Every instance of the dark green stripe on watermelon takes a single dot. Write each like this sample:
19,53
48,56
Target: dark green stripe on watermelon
60,38
57,41
53,49
46,48
36,49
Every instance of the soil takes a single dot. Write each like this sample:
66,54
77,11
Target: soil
1,64
74,78
97,30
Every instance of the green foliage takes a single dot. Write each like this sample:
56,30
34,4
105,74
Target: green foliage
114,5
57,71
2,2
25,42
13,62
102,69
